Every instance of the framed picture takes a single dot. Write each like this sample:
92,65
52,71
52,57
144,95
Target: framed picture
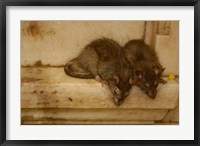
103,72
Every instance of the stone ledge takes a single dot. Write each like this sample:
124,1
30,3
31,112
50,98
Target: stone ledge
49,96
47,87
93,114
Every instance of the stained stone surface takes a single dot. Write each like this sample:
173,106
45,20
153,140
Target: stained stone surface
44,87
49,96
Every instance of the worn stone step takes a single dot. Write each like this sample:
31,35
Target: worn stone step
48,87
92,114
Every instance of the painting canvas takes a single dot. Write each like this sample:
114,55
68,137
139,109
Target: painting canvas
50,96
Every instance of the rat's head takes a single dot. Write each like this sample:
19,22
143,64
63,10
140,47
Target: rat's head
147,80
120,88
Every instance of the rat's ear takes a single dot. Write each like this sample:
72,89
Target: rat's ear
158,71
139,74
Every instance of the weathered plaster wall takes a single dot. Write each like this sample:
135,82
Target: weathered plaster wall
163,36
167,48
56,42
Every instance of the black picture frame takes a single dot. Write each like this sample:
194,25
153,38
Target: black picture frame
5,3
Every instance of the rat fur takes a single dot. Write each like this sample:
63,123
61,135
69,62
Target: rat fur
146,68
103,60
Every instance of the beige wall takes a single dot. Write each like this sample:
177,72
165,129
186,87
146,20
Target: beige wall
167,48
56,42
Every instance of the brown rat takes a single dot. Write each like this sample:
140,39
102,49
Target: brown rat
146,66
103,59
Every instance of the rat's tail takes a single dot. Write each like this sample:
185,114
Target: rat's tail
74,69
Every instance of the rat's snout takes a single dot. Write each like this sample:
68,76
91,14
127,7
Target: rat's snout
152,94
116,95
117,100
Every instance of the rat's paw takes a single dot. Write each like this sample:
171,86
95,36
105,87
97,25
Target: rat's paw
162,81
97,78
117,100
104,83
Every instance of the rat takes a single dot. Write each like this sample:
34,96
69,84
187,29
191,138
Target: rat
147,70
103,60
